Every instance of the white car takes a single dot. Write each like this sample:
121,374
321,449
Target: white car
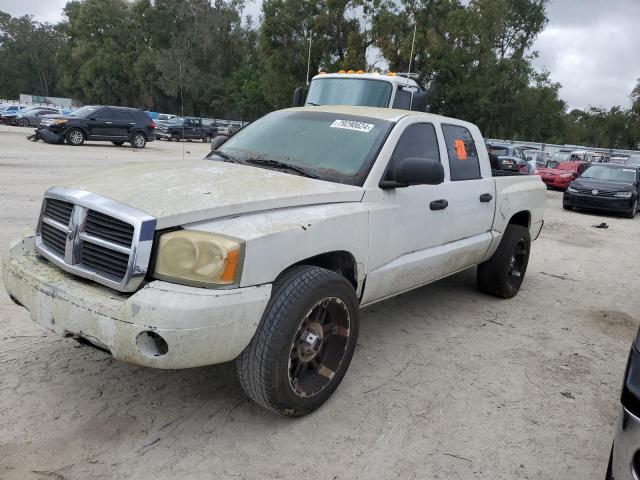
265,251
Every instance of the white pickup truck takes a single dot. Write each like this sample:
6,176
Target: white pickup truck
265,251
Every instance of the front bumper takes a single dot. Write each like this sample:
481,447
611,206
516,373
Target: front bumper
164,135
200,326
557,182
597,202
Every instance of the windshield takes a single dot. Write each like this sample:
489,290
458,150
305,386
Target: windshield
84,112
616,174
349,91
635,160
560,157
331,146
500,151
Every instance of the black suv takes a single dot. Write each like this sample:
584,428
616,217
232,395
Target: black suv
95,122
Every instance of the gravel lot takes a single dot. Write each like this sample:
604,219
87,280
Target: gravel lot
446,382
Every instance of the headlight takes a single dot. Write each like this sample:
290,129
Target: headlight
198,258
623,194
57,121
572,190
566,175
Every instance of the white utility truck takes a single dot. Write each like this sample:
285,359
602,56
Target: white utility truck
357,88
264,252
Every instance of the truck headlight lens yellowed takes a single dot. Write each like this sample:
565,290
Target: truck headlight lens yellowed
198,258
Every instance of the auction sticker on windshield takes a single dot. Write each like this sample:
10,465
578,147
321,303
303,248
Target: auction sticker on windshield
352,125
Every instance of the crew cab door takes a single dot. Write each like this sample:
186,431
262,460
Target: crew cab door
471,192
420,233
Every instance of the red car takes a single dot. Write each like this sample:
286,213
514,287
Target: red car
561,176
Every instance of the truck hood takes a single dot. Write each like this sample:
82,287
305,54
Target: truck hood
187,192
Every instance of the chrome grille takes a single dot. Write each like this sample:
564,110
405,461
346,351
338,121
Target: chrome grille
95,237
58,210
104,259
109,228
54,238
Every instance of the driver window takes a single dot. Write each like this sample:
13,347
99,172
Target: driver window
418,140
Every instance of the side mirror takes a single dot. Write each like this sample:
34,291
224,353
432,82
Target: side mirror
217,141
419,102
414,171
529,159
297,97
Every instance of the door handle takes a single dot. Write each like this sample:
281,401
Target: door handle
486,197
108,123
439,204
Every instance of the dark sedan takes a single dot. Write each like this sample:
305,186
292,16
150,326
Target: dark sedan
605,187
624,463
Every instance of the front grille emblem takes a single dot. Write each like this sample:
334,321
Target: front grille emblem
72,251
595,192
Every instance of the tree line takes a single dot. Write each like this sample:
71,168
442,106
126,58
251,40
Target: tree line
209,58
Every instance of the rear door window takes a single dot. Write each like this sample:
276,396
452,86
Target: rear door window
463,156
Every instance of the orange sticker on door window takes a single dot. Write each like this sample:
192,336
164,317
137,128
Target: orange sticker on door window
461,150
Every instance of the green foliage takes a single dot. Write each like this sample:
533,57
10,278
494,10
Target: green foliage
207,57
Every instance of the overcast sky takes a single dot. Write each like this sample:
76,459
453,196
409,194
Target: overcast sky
592,47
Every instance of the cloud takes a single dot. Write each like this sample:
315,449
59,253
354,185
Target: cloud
591,48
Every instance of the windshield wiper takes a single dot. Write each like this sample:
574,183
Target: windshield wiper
278,164
225,156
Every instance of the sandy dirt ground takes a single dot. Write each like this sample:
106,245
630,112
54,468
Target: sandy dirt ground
445,383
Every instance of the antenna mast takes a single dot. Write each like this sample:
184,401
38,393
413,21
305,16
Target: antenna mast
413,44
309,57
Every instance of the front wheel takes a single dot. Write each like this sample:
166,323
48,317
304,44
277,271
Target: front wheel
634,209
138,140
503,273
304,343
75,137
23,122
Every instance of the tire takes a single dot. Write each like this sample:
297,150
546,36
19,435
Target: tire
503,273
174,139
75,137
206,139
22,122
279,369
118,143
632,213
609,474
138,140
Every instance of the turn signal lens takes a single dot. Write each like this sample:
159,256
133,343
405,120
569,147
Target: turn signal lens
198,258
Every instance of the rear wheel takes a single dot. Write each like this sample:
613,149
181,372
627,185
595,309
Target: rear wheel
503,273
138,140
75,137
304,343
